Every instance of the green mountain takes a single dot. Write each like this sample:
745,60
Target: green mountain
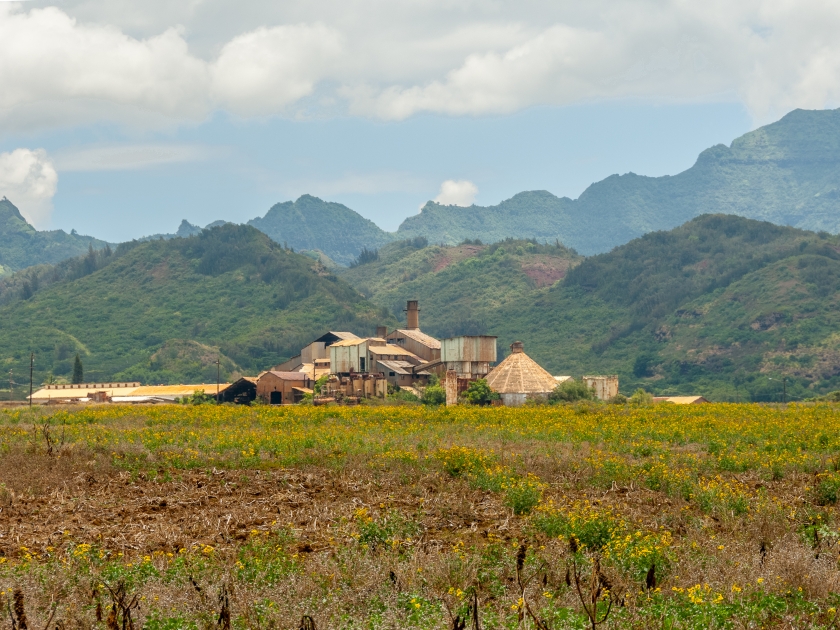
21,245
312,224
157,311
722,306
787,173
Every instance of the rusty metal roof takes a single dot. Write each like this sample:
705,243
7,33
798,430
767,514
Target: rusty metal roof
289,376
420,337
400,367
520,374
344,335
392,350
348,342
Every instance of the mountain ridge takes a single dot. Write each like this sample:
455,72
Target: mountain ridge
21,245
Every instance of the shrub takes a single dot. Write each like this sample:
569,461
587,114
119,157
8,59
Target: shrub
434,395
319,384
479,393
571,391
523,495
641,397
827,490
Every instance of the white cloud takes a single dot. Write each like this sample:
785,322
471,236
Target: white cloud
29,180
131,62
261,72
456,193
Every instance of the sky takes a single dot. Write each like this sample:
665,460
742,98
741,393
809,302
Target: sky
119,119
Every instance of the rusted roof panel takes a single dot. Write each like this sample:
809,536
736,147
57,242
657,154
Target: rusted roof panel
290,376
420,337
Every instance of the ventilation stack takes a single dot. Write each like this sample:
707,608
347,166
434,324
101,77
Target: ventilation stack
412,315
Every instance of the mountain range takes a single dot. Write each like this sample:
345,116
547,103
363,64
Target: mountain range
787,173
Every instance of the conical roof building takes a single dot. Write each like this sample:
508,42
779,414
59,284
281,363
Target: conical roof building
519,377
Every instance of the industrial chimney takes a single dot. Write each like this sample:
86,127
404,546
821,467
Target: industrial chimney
412,315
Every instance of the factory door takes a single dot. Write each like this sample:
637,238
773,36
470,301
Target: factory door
276,398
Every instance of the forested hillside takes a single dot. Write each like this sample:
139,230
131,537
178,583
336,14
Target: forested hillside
21,245
721,306
460,287
150,311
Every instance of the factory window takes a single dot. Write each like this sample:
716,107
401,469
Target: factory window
390,374
361,364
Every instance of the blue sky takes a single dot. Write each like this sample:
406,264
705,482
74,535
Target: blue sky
119,118
384,170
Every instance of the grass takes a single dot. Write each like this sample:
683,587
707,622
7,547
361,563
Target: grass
714,516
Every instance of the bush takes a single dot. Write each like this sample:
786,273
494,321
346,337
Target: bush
641,397
434,395
198,398
479,393
571,391
827,490
319,384
403,395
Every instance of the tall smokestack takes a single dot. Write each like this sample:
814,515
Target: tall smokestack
412,315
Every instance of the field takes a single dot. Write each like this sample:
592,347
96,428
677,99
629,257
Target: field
710,516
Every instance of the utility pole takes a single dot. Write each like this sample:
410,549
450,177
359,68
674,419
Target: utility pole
31,368
218,377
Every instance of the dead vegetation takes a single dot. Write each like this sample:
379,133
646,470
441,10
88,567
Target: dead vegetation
107,538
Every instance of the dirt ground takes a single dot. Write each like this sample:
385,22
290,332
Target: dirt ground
46,501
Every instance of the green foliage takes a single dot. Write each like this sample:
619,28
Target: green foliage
479,393
78,371
827,490
402,395
198,398
522,495
641,397
434,395
365,257
318,387
571,391
163,311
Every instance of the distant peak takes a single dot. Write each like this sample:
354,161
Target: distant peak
7,207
